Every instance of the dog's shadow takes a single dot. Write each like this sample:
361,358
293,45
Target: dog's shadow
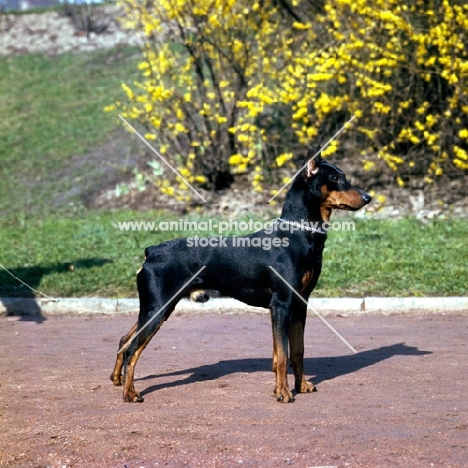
322,369
30,278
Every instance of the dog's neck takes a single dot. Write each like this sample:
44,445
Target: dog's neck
302,204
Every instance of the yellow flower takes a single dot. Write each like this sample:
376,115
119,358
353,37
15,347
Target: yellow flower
330,149
128,91
311,132
460,164
184,172
168,190
297,25
382,108
236,159
460,153
180,128
381,199
282,158
463,133
300,113
368,165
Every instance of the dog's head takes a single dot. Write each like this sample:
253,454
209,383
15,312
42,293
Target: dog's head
330,183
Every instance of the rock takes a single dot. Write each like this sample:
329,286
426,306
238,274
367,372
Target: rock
51,34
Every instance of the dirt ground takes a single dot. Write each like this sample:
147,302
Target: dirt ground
206,379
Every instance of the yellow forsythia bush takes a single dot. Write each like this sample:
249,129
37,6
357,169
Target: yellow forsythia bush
229,86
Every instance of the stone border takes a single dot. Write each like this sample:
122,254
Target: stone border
325,306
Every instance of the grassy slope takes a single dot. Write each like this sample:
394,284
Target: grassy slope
54,111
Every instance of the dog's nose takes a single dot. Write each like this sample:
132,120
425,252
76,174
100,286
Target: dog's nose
366,198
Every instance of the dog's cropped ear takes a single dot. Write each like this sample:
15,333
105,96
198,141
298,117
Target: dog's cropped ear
312,162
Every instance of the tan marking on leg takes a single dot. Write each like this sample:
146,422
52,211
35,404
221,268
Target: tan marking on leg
281,385
280,368
129,393
274,360
306,279
296,347
275,356
116,375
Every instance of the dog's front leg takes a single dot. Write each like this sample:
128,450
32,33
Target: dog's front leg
296,346
281,320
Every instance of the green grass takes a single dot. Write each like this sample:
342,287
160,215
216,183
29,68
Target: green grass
384,258
53,110
397,258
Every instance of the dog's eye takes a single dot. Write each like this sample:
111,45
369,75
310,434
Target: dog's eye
335,178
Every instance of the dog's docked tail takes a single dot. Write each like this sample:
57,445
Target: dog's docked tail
203,295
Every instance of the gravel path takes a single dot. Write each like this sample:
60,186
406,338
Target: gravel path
206,379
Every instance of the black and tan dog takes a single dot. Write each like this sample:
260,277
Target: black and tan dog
249,272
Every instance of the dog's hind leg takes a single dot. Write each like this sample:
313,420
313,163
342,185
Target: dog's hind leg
136,347
116,375
296,347
158,298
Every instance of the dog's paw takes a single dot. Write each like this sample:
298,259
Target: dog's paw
306,387
133,397
117,381
284,396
